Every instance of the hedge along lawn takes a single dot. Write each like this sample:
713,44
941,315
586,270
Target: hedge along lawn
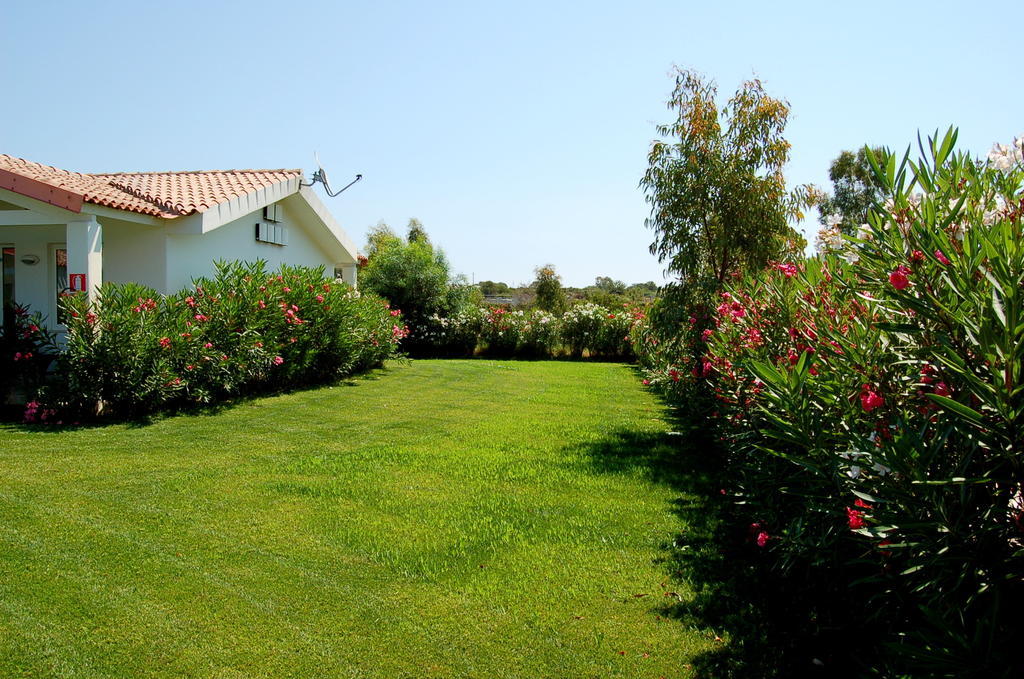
437,519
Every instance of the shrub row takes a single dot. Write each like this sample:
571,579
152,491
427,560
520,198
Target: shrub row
584,330
869,405
26,349
133,352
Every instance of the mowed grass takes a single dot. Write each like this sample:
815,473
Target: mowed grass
437,519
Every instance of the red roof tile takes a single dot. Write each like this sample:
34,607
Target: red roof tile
161,194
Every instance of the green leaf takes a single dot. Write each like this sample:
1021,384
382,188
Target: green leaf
960,409
899,327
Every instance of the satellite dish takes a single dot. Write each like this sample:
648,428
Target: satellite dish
321,173
321,176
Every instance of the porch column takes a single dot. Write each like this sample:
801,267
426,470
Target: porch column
85,255
348,273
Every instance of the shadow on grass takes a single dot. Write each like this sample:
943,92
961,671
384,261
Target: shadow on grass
734,597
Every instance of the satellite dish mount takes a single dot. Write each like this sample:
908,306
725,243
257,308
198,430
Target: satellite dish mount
321,176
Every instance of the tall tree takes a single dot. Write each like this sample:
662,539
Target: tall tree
548,288
413,276
380,237
855,188
715,185
416,232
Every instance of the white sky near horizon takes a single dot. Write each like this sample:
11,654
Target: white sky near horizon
516,132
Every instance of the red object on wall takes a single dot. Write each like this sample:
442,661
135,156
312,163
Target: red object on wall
76,282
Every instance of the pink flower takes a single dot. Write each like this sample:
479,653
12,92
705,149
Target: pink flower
208,345
286,289
869,398
278,360
320,298
898,278
396,312
788,269
762,537
201,318
916,256
165,342
941,257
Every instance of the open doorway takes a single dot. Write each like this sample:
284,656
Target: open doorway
7,276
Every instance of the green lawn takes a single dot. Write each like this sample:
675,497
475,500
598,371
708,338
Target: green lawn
437,519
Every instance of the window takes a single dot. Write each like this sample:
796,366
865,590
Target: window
275,234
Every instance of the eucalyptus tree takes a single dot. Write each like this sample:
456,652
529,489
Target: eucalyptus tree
715,186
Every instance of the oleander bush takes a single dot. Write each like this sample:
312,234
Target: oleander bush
869,404
449,336
26,349
501,332
133,352
584,330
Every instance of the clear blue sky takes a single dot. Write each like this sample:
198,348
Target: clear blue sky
516,132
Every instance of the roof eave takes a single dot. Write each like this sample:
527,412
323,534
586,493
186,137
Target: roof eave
41,191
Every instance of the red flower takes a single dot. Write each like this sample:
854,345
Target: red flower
898,278
916,256
942,389
941,257
762,537
165,342
855,518
869,398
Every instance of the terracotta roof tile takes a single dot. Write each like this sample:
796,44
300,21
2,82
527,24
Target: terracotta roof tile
161,194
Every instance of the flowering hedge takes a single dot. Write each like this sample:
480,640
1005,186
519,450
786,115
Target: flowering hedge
587,329
26,350
134,351
869,404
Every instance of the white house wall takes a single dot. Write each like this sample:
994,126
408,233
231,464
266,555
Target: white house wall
190,256
134,253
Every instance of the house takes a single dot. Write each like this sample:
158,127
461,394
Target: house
66,231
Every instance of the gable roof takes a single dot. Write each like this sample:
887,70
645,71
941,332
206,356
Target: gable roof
160,194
